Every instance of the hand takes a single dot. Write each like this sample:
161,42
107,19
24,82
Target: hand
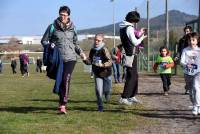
144,36
99,64
175,58
52,45
143,30
189,66
83,56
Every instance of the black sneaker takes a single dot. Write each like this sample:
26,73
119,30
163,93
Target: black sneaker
100,108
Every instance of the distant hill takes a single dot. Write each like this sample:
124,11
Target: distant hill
176,19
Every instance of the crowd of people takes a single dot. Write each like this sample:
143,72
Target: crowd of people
23,64
62,40
60,56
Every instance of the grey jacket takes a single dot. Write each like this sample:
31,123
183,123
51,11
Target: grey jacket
65,38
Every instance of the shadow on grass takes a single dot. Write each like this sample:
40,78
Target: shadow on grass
69,101
25,109
148,113
160,94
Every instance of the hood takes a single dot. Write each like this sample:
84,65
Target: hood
125,24
63,27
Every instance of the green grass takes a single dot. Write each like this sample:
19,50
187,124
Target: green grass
28,106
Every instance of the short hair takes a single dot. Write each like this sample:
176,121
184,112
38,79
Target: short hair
100,34
187,27
194,35
64,9
133,17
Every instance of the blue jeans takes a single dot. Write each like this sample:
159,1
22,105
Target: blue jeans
103,86
116,71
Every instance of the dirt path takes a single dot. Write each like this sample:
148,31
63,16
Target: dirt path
172,113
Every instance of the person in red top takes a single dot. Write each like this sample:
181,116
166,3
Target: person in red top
116,63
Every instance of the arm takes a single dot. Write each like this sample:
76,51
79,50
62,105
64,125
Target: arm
155,66
183,59
78,50
131,36
108,57
88,61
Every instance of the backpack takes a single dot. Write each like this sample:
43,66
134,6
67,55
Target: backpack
46,48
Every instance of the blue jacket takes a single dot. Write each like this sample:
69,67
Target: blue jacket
53,60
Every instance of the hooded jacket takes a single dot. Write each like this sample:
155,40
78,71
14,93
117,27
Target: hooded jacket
65,39
128,38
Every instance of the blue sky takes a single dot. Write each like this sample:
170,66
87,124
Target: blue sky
31,17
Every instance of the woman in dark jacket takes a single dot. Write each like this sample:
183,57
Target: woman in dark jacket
62,34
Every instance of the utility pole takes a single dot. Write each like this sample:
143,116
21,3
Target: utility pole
148,34
167,24
113,1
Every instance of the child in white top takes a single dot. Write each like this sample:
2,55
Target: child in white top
190,60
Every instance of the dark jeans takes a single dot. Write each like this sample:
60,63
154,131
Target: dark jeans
131,84
67,72
39,68
14,69
166,81
24,68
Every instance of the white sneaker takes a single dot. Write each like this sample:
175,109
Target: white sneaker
195,110
125,101
133,99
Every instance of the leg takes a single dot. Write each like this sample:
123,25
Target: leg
165,82
107,87
99,92
118,72
131,84
189,86
115,72
67,72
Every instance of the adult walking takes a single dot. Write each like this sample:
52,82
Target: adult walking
61,34
129,42
39,65
13,65
116,63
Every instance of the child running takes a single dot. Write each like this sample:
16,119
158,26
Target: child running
165,63
190,60
101,61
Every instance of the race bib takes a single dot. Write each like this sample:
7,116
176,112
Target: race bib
192,70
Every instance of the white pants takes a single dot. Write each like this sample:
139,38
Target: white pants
196,90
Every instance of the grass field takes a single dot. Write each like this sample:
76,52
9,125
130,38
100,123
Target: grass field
28,106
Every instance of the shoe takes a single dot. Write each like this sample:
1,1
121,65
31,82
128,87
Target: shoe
195,110
166,93
186,91
125,101
134,100
62,110
91,77
100,108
